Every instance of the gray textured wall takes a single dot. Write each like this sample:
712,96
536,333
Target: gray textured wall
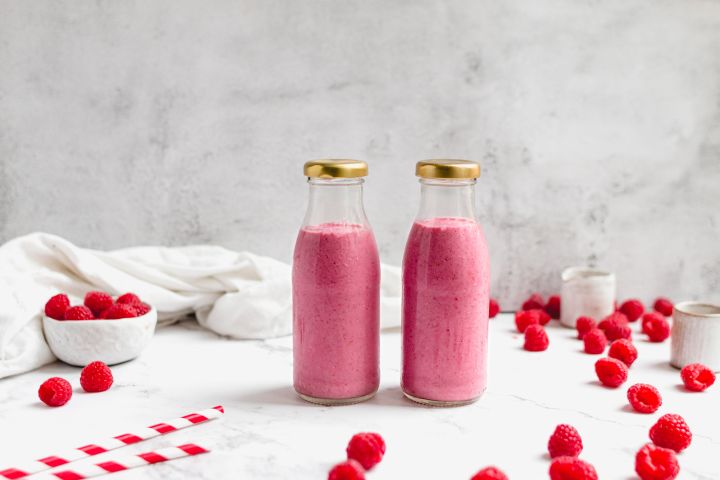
173,122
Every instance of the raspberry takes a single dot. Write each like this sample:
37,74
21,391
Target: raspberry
98,302
656,327
350,470
565,442
697,377
571,468
671,431
656,463
611,372
615,326
366,448
663,306
524,318
96,377
595,341
141,309
647,319
644,398
552,307
57,306
623,350
535,302
615,318
80,312
129,298
494,308
120,310
583,325
55,392
536,339
633,309
490,473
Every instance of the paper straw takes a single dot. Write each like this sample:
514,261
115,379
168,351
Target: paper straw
126,462
112,443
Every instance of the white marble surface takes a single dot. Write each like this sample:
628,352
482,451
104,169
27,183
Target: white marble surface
268,433
180,121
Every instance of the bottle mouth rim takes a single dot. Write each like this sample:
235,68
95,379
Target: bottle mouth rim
335,181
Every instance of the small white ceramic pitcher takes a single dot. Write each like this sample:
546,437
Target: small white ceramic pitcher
696,335
586,292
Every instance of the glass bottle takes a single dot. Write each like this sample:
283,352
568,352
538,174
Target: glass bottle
336,289
446,277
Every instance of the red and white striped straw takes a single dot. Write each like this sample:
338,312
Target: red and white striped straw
112,443
127,462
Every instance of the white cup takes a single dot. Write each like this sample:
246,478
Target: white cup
586,292
696,335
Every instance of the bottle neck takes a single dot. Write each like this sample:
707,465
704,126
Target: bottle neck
447,198
336,200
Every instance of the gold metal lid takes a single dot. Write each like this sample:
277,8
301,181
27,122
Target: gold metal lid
335,168
445,168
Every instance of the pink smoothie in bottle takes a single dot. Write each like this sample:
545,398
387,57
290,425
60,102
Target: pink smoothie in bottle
446,277
336,312
336,289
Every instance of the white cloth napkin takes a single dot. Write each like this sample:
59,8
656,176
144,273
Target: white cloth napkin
237,294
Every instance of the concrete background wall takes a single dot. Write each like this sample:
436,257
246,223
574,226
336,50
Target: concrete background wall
175,122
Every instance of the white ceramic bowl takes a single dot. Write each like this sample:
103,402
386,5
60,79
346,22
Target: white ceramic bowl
79,342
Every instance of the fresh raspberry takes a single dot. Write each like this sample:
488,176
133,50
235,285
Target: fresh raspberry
98,302
615,318
623,350
366,448
524,318
120,310
656,463
644,398
615,326
80,312
671,431
571,468
656,327
611,372
490,473
536,339
663,306
647,319
583,325
141,309
697,377
535,302
565,442
350,470
633,309
494,308
129,298
57,306
96,377
55,392
595,341
552,307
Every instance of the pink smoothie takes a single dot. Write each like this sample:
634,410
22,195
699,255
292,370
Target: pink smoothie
336,311
446,276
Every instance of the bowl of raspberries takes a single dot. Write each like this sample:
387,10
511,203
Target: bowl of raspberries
111,330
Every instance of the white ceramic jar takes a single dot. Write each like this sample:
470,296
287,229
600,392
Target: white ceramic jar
586,292
696,335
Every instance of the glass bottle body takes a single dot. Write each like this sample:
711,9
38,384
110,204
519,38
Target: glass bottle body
446,278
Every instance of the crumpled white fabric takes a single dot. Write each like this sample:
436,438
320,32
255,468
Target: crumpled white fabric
237,294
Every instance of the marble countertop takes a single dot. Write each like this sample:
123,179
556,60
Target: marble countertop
269,433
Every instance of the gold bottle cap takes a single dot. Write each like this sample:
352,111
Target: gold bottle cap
335,168
447,169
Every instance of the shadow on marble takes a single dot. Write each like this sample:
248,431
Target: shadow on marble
275,396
